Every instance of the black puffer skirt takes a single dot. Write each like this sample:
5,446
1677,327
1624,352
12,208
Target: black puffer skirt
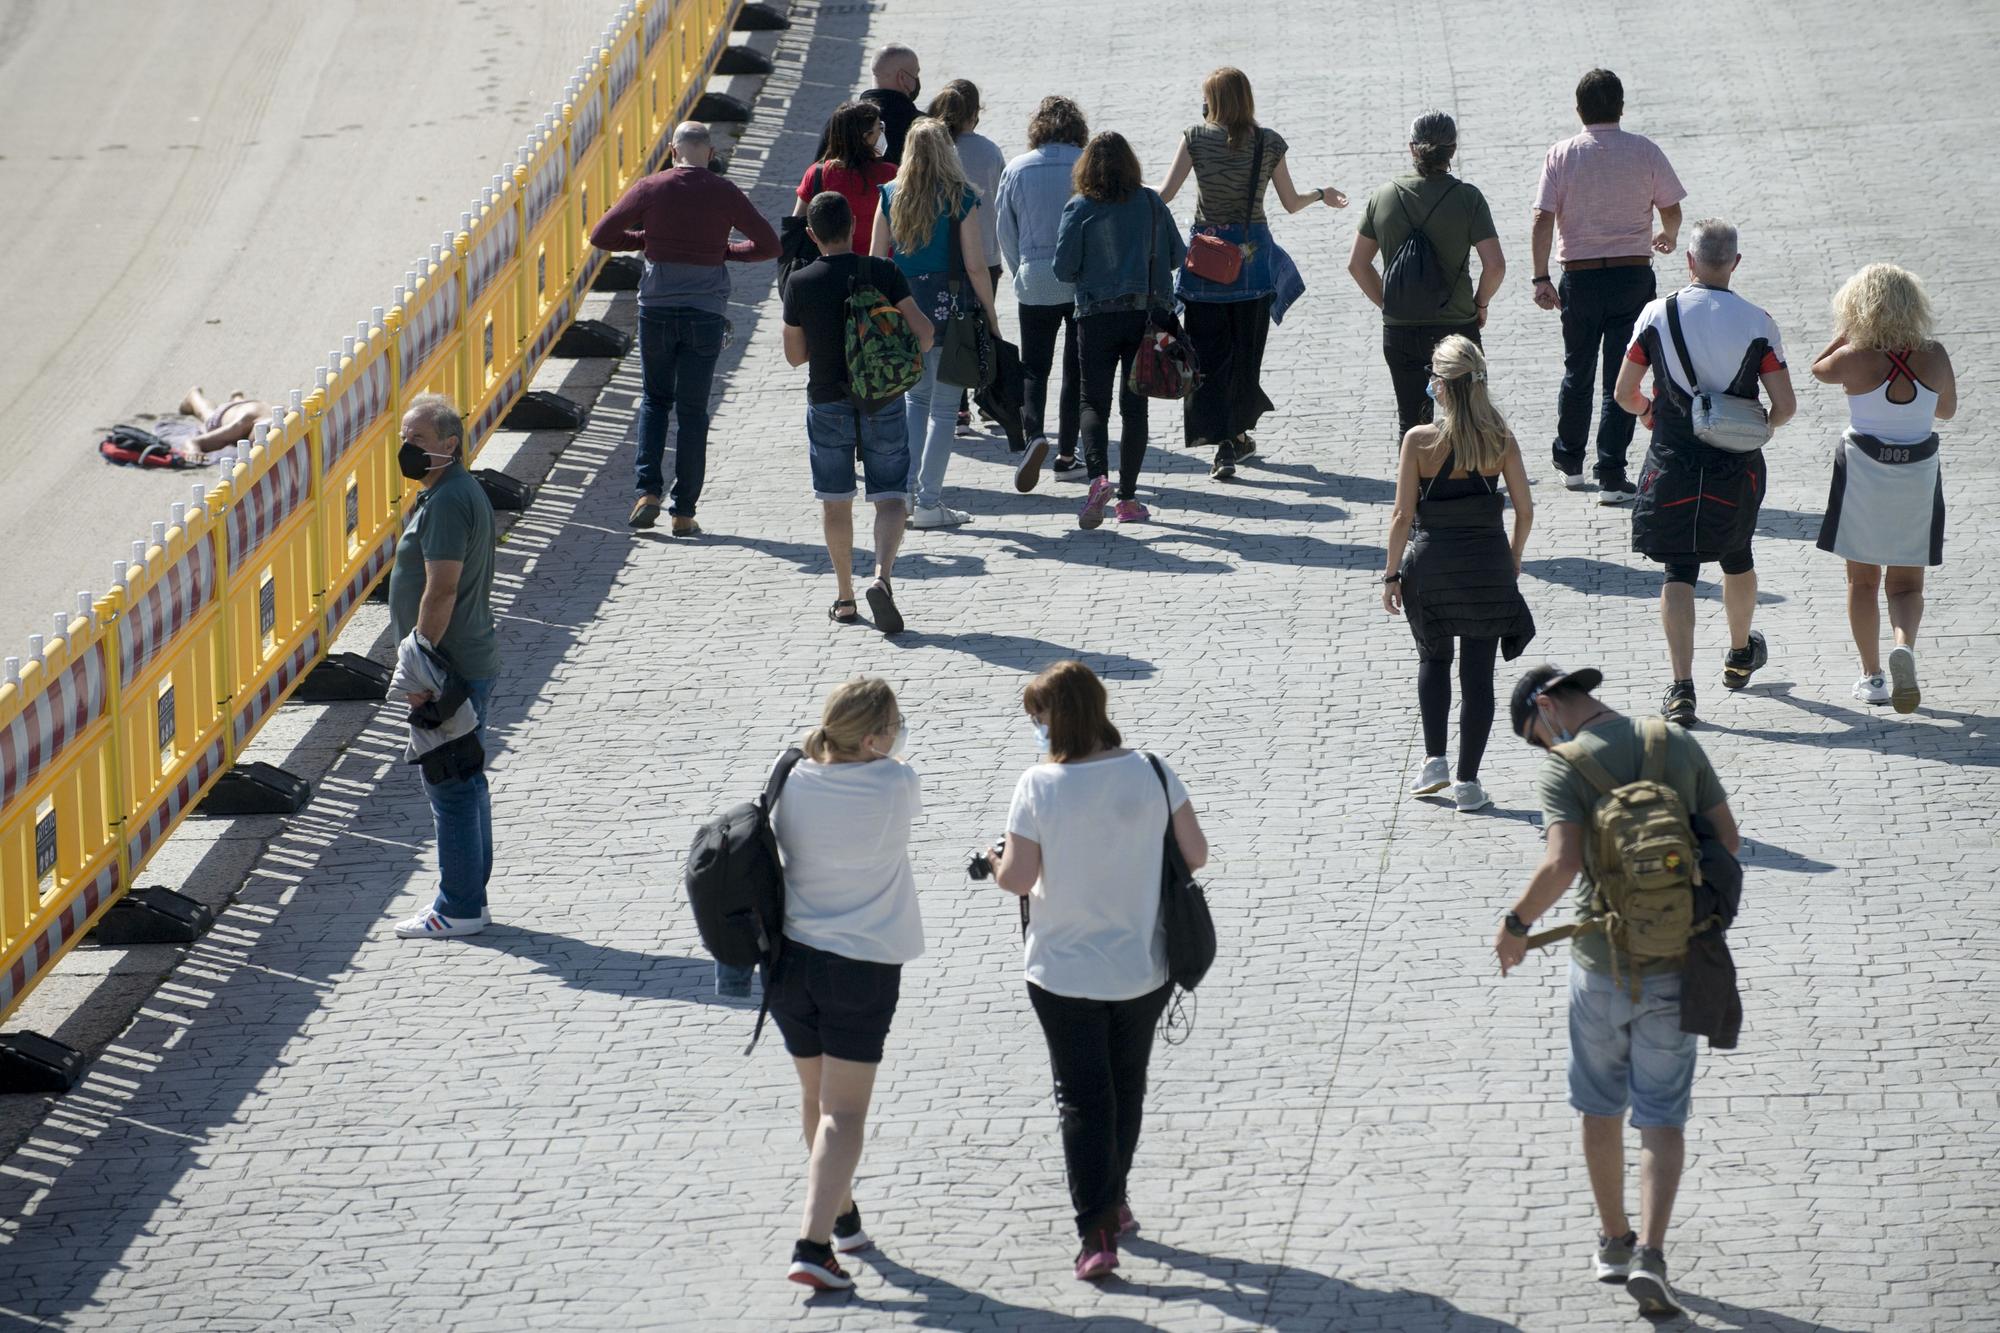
1458,578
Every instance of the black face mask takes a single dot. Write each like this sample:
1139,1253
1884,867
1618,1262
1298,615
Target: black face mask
916,87
413,461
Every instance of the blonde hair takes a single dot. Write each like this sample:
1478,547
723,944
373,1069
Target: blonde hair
929,184
855,710
1468,424
1229,104
1884,308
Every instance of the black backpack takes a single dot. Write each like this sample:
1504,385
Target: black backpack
736,882
1415,286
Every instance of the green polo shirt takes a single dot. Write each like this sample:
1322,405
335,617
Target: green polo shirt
452,521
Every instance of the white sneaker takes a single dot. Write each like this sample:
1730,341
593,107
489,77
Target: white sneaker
1872,689
429,924
937,516
1903,693
1434,776
1575,481
1470,796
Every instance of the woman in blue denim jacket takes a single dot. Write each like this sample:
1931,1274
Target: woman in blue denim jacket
1227,323
1117,245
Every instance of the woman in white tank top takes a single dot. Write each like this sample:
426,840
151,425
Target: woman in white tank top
1885,509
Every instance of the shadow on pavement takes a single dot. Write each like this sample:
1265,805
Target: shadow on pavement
1607,577
1746,1319
1022,653
605,969
1970,744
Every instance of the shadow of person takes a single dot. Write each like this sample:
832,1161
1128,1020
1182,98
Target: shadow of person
1748,1319
604,969
1970,743
1585,574
1763,854
1298,1300
1788,524
1022,653
939,1303
1340,485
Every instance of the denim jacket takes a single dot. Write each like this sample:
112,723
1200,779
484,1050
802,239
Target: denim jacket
1029,204
1102,249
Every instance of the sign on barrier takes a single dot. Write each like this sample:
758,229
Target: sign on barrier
110,736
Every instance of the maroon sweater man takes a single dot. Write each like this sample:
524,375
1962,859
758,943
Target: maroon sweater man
682,219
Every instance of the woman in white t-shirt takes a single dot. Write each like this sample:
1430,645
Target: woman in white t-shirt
851,922
1085,841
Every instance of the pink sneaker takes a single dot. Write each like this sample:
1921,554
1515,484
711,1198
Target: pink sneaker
1092,513
1098,1258
1127,1224
1131,511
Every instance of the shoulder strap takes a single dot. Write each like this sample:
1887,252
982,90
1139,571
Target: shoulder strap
1161,774
819,177
1899,366
1256,165
787,761
1593,772
1450,461
1455,183
1680,343
951,221
1654,767
1152,254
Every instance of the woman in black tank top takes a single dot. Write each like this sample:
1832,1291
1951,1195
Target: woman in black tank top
1458,580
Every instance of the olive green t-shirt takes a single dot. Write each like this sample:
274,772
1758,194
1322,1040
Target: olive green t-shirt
1461,221
1567,797
453,521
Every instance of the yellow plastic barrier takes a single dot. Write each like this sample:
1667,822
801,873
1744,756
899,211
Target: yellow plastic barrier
112,733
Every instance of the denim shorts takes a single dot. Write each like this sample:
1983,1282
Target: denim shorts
828,1004
1624,1054
839,432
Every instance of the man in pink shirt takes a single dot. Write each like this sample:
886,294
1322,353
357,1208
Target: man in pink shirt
1595,203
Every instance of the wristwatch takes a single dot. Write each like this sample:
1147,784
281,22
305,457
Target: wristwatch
1515,926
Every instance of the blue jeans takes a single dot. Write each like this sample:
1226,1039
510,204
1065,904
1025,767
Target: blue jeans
839,435
1624,1054
933,416
462,810
678,348
1599,308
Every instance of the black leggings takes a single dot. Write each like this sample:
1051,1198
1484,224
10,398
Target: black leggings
1475,708
1100,1050
1106,344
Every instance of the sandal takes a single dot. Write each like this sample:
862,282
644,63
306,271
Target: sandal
887,618
853,615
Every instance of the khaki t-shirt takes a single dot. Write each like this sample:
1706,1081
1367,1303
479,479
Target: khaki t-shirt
1461,220
1568,797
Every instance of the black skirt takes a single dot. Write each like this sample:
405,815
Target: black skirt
1458,578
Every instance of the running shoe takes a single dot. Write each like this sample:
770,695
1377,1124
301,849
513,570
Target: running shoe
1647,1282
1127,1224
1615,491
1131,511
1614,1256
847,1233
1066,463
1574,481
1903,693
938,516
1029,470
813,1265
1469,796
1098,1257
1092,513
1872,689
1678,705
1434,776
1245,447
1739,664
431,924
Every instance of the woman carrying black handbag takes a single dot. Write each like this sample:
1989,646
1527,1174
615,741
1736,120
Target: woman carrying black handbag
1085,845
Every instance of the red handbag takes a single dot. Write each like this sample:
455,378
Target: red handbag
1164,366
1211,257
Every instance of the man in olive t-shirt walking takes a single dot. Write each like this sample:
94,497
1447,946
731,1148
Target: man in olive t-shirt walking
1456,219
439,588
1626,1051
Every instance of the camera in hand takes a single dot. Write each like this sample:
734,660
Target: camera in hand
979,866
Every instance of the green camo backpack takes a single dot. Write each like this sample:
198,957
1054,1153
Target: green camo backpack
883,358
1641,857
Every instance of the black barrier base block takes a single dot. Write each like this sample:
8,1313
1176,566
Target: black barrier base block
380,592
255,789
541,410
742,60
507,495
721,109
30,1062
760,18
151,916
621,273
592,337
345,678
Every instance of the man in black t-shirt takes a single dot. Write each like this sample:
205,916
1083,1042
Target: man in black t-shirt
837,429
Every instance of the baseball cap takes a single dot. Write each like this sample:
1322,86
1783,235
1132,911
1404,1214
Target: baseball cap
1537,681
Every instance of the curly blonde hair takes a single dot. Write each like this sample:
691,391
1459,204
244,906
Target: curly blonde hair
929,185
1884,308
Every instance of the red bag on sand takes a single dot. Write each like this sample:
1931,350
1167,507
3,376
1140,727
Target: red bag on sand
130,446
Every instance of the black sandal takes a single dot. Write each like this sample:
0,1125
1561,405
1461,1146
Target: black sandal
887,618
852,617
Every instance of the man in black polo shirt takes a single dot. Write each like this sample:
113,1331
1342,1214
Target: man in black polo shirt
838,429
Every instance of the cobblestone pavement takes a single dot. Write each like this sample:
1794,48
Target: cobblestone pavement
314,1125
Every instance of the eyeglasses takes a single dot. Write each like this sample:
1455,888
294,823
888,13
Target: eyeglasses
1528,727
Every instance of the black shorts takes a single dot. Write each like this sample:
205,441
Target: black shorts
825,1004
1685,571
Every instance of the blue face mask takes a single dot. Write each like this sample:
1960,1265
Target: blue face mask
1431,390
1042,736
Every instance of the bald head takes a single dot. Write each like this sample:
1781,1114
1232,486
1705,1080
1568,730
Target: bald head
896,68
692,145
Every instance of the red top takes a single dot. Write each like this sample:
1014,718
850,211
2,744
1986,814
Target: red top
860,189
684,216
